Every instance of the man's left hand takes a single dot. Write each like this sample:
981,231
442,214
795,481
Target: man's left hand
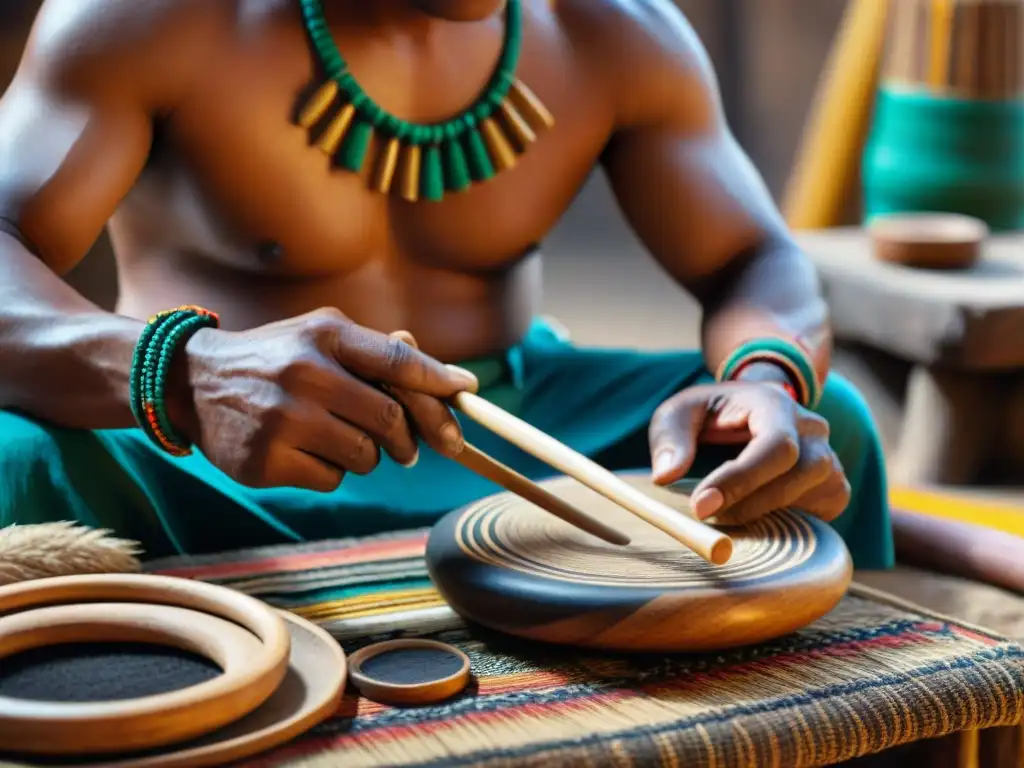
787,460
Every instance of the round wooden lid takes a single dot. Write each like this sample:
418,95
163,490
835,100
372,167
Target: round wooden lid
928,240
409,671
510,566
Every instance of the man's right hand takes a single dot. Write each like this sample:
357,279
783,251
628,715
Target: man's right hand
301,402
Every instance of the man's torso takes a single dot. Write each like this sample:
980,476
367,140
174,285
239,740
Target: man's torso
238,211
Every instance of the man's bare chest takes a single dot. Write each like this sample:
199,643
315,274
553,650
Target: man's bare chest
234,168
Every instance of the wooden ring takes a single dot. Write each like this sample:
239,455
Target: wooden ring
61,727
65,731
310,693
376,688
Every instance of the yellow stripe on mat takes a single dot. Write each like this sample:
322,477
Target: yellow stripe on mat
371,605
990,514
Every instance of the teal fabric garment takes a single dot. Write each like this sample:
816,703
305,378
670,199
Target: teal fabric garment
598,401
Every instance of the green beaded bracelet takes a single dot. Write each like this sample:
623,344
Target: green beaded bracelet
786,354
164,334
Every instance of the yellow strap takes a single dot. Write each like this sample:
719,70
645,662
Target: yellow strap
990,514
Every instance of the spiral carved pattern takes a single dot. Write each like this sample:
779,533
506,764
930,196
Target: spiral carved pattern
507,532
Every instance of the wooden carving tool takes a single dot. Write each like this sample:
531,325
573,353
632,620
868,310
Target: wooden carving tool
475,460
711,544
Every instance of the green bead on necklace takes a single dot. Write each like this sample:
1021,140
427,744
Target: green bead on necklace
422,162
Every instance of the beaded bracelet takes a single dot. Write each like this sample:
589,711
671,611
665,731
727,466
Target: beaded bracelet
787,355
164,334
786,385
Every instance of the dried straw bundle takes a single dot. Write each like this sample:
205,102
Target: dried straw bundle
62,549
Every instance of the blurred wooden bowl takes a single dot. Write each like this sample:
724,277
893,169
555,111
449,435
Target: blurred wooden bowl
928,240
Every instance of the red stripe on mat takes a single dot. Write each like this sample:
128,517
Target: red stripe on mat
330,744
355,707
359,553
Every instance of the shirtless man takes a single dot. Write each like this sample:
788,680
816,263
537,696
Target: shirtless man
173,122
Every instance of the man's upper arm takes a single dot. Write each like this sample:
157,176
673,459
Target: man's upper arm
76,123
686,187
65,164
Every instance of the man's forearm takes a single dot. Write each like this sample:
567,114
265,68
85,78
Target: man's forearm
62,359
772,293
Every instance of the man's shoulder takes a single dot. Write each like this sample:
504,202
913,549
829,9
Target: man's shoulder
644,29
78,43
648,55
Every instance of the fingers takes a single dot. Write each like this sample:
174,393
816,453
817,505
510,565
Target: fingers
433,421
431,417
814,467
830,499
673,434
333,441
290,468
774,450
377,413
389,360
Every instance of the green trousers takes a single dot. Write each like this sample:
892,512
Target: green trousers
597,401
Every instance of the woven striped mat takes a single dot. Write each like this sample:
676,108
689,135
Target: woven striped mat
871,675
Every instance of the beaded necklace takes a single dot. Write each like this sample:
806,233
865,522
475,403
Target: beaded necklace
416,160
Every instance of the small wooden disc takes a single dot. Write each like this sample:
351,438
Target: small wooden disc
409,671
928,240
149,721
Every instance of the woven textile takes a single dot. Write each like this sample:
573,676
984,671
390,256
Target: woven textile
871,675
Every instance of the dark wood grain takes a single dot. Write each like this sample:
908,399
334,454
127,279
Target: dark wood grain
519,571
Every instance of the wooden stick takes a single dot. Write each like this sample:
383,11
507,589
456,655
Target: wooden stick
1010,40
921,41
984,71
714,546
899,49
1017,51
474,459
941,34
999,18
963,57
960,549
1013,33
829,155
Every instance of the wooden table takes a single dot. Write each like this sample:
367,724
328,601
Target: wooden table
959,334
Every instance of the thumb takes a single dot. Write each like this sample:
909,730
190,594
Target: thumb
673,434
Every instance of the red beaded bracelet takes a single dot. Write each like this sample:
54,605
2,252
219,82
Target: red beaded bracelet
786,386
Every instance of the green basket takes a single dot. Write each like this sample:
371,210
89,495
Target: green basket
934,153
